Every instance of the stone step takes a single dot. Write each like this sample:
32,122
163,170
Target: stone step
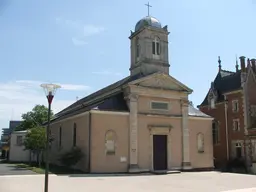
164,172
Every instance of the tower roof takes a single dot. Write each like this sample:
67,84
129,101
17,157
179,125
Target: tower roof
148,21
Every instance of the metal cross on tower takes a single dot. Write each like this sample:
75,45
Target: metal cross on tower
148,5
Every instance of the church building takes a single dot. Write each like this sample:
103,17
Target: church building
141,123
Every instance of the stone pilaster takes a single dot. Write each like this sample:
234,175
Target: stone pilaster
185,136
133,104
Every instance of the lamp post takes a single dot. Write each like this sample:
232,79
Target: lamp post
50,90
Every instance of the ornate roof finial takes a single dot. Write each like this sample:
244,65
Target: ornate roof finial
237,64
148,5
219,61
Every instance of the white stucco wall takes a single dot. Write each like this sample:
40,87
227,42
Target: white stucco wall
17,152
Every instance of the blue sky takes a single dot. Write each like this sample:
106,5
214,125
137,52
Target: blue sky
83,45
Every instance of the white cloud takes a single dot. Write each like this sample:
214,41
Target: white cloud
18,97
78,42
80,31
92,30
107,73
36,84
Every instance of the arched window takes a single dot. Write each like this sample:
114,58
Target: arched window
137,48
74,135
110,142
200,142
156,48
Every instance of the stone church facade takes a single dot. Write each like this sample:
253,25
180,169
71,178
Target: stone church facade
143,122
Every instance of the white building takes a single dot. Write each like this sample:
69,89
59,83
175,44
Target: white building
17,152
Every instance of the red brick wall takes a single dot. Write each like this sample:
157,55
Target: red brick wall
235,135
220,150
251,88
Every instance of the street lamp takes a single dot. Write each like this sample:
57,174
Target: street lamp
50,90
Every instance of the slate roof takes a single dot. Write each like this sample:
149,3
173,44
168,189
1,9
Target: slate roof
225,81
193,112
111,102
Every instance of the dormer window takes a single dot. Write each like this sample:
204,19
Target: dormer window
212,103
212,97
156,48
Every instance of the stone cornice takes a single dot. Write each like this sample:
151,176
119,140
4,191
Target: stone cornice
160,127
233,92
162,30
184,102
132,97
159,115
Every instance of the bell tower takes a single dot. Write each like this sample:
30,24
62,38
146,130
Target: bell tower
149,47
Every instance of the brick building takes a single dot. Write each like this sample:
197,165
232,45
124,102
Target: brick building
231,100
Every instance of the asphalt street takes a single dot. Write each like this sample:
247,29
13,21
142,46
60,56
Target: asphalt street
10,169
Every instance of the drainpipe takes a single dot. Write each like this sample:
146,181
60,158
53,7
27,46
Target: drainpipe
226,122
89,146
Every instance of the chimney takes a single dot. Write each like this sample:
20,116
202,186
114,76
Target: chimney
212,85
253,62
242,63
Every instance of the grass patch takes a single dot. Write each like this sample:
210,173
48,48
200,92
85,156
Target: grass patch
36,169
54,169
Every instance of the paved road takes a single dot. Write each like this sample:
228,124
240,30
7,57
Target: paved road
10,169
183,182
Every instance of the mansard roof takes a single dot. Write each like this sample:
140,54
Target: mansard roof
224,82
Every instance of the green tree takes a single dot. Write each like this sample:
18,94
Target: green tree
35,141
34,118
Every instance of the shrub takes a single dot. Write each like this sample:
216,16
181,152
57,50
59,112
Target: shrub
236,164
71,157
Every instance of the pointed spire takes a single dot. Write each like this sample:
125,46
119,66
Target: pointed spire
219,61
237,64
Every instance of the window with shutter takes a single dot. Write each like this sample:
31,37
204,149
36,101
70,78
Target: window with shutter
235,105
236,125
19,140
215,133
253,110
